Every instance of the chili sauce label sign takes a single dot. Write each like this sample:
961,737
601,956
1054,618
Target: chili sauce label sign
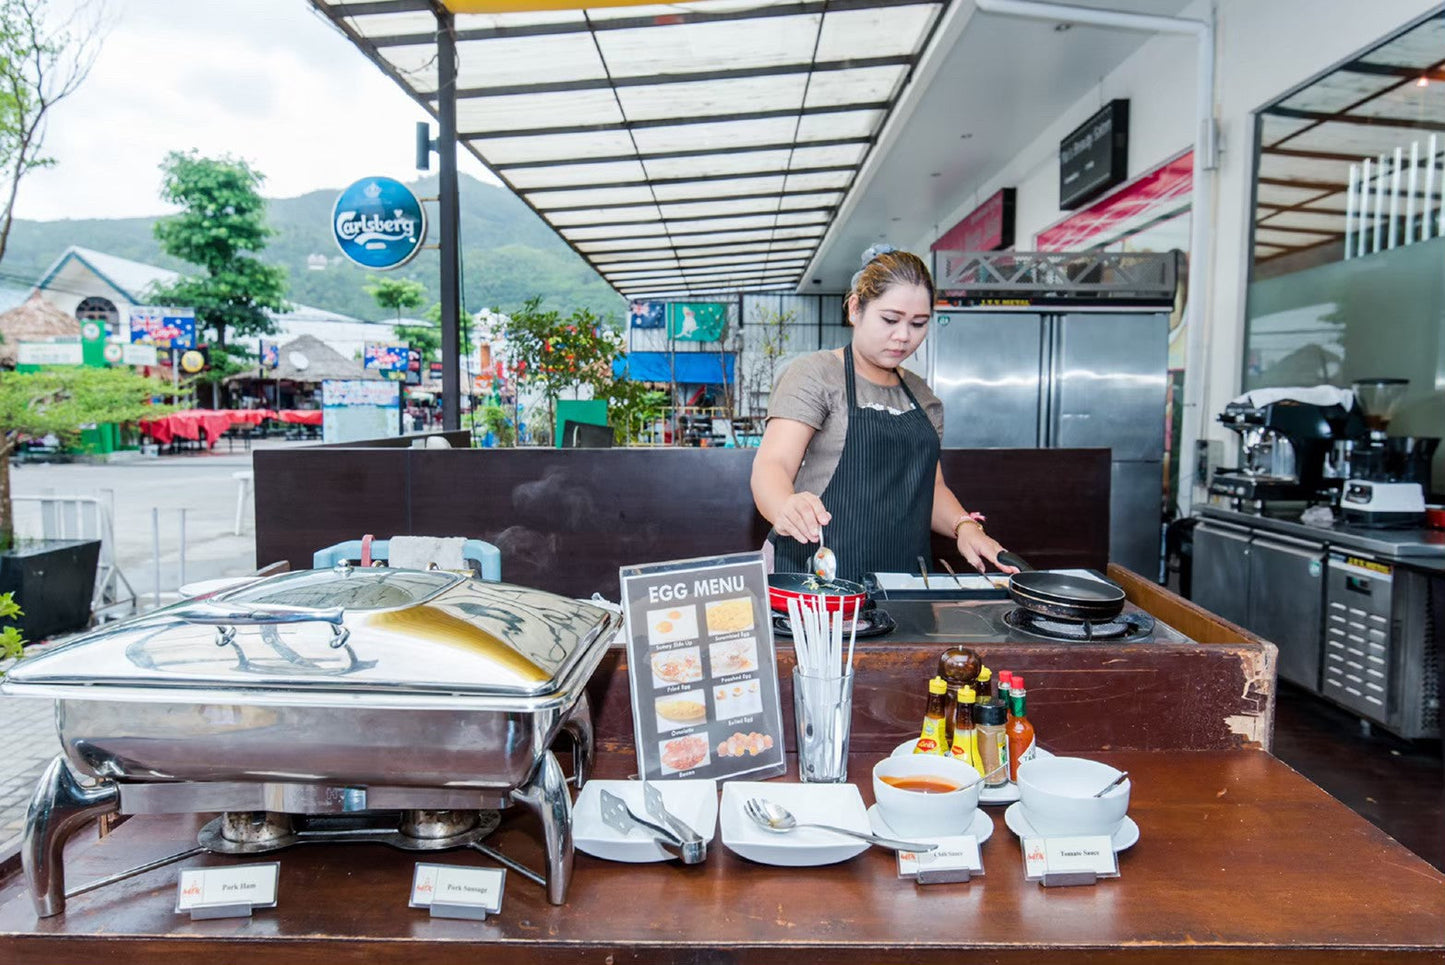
378,223
702,667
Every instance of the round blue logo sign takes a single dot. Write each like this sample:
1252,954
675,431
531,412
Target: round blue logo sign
378,223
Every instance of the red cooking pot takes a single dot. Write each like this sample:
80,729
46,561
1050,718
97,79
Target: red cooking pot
836,595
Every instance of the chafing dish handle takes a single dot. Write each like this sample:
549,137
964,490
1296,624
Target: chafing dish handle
210,614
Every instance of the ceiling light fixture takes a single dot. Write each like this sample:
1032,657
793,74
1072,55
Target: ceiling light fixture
1423,81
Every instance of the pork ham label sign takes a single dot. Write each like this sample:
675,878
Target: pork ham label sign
378,223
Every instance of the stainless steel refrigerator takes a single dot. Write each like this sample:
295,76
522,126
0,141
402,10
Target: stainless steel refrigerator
1073,378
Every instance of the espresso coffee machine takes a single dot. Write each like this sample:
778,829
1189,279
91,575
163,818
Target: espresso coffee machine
1388,475
1285,448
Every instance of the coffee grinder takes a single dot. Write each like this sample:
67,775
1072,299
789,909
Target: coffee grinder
1388,475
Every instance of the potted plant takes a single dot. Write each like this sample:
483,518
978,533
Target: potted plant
54,579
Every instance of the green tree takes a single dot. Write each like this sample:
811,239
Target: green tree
398,294
221,229
40,65
61,401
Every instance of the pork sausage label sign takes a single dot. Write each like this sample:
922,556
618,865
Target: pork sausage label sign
703,672
378,223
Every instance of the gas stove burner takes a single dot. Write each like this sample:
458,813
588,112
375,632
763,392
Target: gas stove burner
1126,626
873,623
257,832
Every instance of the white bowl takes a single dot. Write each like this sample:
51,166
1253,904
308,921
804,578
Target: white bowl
1057,794
914,812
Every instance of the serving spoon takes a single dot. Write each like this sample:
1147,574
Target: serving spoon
824,563
774,817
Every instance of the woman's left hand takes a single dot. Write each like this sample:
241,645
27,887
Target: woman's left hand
976,546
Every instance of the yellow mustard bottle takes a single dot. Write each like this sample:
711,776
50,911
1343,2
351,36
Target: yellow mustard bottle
965,746
933,739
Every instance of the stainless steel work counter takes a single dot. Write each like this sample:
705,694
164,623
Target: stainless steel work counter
1417,548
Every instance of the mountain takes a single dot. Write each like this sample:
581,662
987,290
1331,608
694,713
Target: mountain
508,253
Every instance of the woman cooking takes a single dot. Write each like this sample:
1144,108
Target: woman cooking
851,448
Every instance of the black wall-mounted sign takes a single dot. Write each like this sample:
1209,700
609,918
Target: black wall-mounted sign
1094,156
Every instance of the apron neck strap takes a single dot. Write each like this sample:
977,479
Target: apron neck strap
850,377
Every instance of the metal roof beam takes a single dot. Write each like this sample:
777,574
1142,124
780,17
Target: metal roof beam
1393,70
759,196
682,16
738,256
693,179
661,80
717,271
371,8
625,229
1359,120
678,121
680,155
720,242
1311,155
826,209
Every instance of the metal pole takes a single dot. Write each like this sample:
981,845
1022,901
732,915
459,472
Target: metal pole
1364,232
1410,193
156,549
1394,230
182,581
1426,229
448,208
1350,209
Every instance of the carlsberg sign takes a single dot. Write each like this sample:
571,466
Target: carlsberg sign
378,223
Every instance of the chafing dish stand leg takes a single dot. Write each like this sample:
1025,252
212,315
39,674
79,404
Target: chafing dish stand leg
546,794
58,808
579,725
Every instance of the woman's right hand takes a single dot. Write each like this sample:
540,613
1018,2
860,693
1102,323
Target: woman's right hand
802,517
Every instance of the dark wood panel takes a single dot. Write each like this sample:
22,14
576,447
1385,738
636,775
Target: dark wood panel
1240,860
565,520
1082,698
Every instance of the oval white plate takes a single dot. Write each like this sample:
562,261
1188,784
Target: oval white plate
1125,836
837,804
981,828
1003,794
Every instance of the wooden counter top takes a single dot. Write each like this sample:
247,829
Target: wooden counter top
1240,860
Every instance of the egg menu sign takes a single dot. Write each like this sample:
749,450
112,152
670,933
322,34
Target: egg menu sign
703,673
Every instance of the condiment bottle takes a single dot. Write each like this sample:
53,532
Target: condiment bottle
984,685
1004,679
1020,731
933,739
958,666
990,719
965,744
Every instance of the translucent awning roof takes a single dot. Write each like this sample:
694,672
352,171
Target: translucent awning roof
681,148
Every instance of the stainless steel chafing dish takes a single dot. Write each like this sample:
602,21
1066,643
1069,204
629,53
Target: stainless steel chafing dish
320,695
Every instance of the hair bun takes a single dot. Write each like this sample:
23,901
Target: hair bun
873,251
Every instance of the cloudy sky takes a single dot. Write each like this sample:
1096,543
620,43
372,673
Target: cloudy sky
269,81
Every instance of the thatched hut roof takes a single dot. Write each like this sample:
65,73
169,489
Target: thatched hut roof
35,320
308,359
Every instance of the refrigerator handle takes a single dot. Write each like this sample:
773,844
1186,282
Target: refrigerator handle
1048,341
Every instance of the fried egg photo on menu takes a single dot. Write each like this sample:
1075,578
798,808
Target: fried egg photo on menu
730,616
684,753
737,699
733,656
676,666
675,711
671,624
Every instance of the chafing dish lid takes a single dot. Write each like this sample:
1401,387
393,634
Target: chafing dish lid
349,630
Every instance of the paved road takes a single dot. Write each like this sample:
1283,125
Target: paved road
203,485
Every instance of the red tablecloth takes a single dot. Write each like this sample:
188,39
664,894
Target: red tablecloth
302,417
190,424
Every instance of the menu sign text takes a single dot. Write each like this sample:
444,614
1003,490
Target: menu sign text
702,668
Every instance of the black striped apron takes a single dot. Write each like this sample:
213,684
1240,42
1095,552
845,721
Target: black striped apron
880,496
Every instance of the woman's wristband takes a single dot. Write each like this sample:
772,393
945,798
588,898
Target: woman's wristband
974,518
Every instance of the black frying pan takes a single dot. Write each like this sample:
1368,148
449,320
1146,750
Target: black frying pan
1060,596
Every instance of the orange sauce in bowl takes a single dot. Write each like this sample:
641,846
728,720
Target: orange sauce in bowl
922,784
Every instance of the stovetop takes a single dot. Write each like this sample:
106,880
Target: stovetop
983,622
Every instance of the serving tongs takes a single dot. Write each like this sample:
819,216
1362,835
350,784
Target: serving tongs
677,838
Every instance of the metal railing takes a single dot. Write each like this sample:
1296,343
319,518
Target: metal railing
1042,276
89,517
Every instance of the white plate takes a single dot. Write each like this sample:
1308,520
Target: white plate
837,804
1125,836
981,828
1006,793
692,802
